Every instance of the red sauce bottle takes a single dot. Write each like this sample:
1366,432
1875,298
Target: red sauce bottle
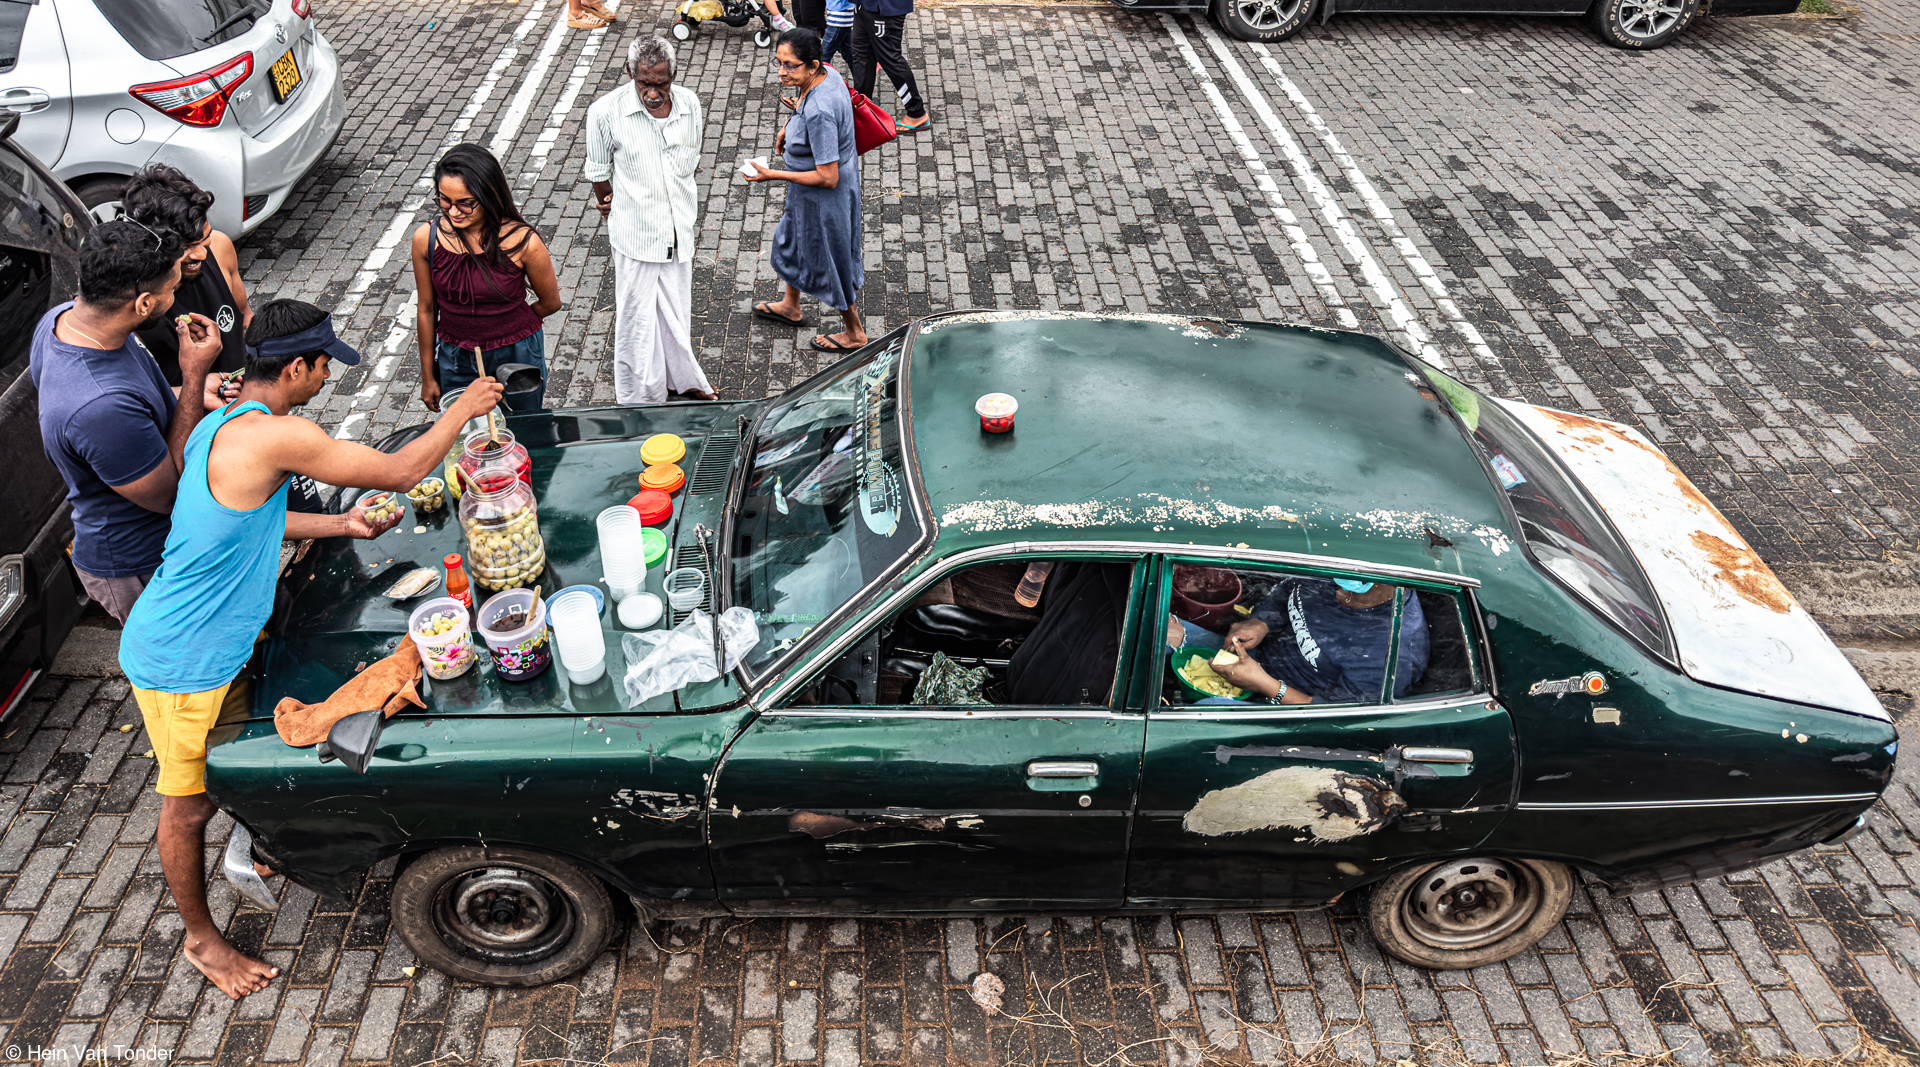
457,586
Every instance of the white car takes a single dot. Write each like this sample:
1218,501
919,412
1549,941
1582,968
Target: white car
244,96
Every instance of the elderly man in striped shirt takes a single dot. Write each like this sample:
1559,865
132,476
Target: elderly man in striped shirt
643,145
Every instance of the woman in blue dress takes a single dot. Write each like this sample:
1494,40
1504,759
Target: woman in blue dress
816,248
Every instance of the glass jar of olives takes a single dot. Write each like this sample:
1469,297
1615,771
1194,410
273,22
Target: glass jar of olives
502,523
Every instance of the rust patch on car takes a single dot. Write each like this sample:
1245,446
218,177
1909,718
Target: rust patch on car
1744,571
821,827
1590,430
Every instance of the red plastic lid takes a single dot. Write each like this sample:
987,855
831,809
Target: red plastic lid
654,506
452,561
666,477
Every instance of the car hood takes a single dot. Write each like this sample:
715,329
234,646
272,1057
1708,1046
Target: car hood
1734,625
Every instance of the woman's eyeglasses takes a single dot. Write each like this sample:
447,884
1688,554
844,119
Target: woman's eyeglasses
789,68
467,206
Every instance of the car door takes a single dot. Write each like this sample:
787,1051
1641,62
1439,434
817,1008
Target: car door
1248,804
903,806
34,81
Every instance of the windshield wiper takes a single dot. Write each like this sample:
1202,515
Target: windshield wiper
243,13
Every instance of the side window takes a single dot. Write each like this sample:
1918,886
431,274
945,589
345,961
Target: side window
1255,635
1036,632
13,29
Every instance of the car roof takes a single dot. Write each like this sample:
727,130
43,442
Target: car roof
1179,430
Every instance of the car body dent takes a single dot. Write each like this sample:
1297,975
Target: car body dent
1734,624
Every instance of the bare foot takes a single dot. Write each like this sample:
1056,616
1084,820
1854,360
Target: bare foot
235,972
850,340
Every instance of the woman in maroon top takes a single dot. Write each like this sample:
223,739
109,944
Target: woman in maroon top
474,267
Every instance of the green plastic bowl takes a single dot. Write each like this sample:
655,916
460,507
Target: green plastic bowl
1178,658
654,543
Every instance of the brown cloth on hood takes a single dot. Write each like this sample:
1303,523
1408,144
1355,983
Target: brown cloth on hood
389,684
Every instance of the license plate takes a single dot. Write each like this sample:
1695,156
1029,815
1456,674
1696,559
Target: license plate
286,77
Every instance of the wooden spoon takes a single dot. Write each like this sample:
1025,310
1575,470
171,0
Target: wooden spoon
493,424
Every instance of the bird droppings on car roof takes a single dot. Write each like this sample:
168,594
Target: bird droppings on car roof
981,516
1330,805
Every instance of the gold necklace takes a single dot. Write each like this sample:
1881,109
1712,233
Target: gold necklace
97,343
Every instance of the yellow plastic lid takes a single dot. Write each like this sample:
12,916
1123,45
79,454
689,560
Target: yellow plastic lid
663,448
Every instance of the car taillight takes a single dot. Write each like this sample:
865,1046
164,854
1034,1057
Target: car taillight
198,99
303,8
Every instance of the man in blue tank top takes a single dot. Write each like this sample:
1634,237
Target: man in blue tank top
193,630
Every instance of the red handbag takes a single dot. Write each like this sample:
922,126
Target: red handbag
872,127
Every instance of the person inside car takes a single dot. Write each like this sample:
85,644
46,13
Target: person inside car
108,420
1328,643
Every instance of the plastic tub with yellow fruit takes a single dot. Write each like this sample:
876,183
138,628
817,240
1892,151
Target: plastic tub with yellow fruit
1193,669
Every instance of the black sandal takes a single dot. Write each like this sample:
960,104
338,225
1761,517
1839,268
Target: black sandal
760,312
823,342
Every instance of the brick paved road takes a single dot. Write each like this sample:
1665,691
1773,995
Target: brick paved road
1714,242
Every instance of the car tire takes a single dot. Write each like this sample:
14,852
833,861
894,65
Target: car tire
1641,24
1263,20
502,916
101,196
1418,915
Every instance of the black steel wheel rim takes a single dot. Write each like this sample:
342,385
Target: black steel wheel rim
1470,903
506,915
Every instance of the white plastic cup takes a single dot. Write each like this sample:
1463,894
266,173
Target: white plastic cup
685,587
576,635
447,655
622,554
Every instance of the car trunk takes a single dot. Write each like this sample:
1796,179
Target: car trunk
194,36
1734,625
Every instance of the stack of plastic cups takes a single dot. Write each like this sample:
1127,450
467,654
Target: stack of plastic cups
577,636
622,555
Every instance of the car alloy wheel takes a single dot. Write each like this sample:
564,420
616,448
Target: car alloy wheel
1468,912
1267,16
1649,19
502,915
1262,20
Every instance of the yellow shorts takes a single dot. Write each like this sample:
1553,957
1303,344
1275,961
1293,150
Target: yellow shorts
178,725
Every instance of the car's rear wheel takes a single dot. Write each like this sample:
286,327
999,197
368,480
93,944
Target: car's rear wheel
101,197
1263,20
1641,23
1468,912
501,915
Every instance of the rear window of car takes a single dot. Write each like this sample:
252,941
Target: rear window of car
13,28
164,29
1564,531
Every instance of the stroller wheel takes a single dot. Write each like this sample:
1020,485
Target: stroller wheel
682,29
762,38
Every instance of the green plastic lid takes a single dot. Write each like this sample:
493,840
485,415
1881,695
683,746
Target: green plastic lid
655,544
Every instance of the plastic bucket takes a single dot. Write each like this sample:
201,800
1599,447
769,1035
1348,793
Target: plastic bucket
1178,658
448,654
1205,595
523,651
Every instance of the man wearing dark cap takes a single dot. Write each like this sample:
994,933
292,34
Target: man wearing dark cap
194,628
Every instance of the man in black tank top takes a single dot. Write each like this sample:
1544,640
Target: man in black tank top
162,198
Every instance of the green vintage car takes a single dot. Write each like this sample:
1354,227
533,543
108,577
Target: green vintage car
1566,658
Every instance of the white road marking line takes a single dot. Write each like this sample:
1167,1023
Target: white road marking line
1331,209
1310,262
516,112
1378,206
569,96
350,426
396,229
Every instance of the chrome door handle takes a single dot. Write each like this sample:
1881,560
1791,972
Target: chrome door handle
1063,768
24,101
1416,754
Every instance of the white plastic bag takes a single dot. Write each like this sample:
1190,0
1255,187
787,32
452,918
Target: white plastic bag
667,660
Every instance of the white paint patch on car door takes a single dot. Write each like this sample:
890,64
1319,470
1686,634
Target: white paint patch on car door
1734,624
1327,804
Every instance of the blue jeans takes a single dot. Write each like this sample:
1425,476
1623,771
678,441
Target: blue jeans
456,368
837,39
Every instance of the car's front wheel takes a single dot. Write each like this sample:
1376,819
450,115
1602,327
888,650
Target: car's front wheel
1468,912
1263,20
502,915
1641,23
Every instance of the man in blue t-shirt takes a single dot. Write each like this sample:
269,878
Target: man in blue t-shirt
1314,640
108,419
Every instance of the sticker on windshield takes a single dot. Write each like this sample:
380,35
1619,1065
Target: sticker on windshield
1506,470
879,482
775,455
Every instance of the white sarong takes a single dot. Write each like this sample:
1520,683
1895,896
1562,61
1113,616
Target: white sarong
652,331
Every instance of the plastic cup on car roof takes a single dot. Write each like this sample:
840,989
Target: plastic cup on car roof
622,555
996,412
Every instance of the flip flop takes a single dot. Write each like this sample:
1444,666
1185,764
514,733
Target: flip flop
901,127
586,20
760,312
825,343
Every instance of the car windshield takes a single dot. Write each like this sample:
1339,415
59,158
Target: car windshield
1566,534
824,511
164,29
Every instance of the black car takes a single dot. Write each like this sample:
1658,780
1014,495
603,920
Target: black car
41,227
1621,23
